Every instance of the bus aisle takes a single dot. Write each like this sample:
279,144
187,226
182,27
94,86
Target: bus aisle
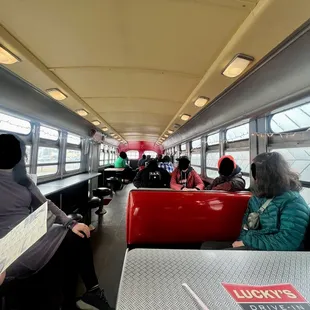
109,244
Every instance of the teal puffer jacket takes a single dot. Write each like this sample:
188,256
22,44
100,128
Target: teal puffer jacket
282,225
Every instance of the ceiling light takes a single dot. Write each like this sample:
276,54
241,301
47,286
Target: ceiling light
201,101
56,94
81,112
170,131
96,123
105,128
185,117
238,64
7,57
166,136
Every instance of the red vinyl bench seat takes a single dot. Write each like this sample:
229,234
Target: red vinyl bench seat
174,217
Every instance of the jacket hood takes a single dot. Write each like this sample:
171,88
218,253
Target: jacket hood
227,166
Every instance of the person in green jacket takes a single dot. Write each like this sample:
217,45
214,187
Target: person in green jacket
121,160
282,225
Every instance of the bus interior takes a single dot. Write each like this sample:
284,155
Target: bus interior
82,81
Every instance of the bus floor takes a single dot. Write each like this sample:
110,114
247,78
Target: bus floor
109,244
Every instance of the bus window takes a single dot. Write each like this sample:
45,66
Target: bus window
212,158
73,160
101,155
213,139
196,155
49,133
14,124
238,133
132,154
48,158
292,119
151,153
242,159
73,139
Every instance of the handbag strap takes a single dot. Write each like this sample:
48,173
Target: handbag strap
264,206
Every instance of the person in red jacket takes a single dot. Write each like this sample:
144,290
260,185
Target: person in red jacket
230,176
184,177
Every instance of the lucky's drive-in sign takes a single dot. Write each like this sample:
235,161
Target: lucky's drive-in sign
267,297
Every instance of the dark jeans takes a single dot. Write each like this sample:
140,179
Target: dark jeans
221,245
55,284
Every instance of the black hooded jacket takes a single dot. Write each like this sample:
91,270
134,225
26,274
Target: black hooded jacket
231,183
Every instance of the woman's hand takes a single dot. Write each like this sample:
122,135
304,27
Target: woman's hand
237,244
2,277
79,228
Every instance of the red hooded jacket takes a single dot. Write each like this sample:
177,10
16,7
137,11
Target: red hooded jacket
191,178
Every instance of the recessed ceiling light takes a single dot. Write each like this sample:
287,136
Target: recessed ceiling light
96,123
7,57
201,101
237,65
56,94
81,112
166,136
170,131
185,117
105,128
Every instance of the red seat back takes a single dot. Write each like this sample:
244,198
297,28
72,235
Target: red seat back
164,216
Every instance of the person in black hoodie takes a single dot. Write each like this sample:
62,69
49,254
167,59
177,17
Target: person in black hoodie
230,178
152,177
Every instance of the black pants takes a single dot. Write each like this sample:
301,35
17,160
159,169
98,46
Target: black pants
55,284
221,245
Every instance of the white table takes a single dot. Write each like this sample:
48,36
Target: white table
152,278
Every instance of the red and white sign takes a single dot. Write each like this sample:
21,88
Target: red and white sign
267,297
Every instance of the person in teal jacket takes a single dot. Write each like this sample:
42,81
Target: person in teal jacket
283,223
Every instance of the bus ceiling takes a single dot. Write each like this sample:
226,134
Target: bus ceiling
135,69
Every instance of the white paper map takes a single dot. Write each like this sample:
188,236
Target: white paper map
22,237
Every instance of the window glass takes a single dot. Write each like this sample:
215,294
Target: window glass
151,153
292,119
28,155
46,170
14,124
101,156
212,173
196,159
212,159
48,155
299,160
132,154
73,139
305,193
183,147
197,169
238,133
196,144
213,139
72,166
242,159
49,133
73,155
247,181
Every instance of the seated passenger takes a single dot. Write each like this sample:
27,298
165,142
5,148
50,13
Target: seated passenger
166,164
283,213
159,158
230,178
54,262
141,162
121,160
184,177
152,177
